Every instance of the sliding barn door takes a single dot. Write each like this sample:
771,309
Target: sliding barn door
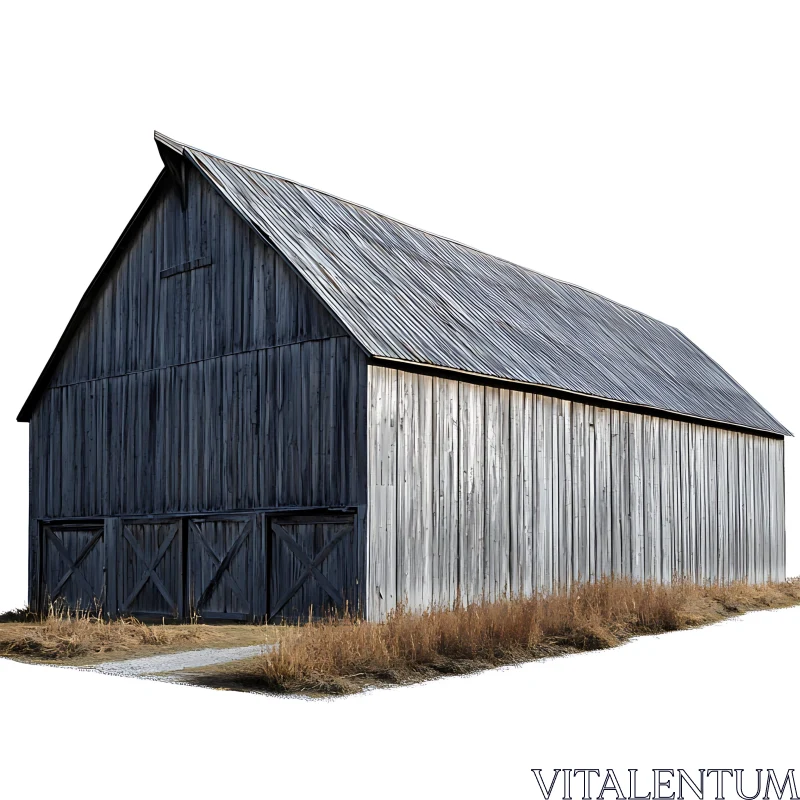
226,567
313,566
73,566
150,569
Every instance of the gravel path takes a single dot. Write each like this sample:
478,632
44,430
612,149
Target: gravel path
177,661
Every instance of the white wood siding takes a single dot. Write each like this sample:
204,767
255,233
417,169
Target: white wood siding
480,492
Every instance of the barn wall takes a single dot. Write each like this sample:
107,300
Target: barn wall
227,386
278,427
224,387
246,299
484,491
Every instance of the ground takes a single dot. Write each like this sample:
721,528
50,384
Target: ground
348,656
722,695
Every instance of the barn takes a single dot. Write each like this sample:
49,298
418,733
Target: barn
272,403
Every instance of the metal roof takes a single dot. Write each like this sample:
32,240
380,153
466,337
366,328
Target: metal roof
411,296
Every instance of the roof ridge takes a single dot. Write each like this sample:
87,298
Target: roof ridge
172,142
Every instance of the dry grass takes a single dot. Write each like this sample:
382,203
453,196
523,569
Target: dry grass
340,656
64,636
347,655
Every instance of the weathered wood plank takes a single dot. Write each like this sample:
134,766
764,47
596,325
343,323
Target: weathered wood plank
382,512
471,491
543,494
424,589
497,538
520,480
667,507
617,521
580,488
603,492
780,523
723,518
415,491
565,554
652,510
445,502
407,486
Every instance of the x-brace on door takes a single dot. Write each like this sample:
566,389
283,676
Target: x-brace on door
313,566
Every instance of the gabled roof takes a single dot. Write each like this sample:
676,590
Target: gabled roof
410,296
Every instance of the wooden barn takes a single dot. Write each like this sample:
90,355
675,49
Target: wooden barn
272,402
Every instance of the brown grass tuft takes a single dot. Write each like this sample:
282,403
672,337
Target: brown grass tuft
345,655
64,634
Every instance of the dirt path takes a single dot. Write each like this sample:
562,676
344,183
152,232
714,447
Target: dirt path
173,662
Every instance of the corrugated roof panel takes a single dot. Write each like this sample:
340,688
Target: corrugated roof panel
409,295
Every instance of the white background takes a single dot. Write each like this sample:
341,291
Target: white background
648,151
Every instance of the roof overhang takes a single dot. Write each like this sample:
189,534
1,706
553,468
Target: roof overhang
555,391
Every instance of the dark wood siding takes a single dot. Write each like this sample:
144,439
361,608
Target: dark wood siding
217,388
247,299
226,565
73,566
314,566
150,568
274,428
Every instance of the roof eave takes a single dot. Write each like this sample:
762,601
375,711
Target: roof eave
779,432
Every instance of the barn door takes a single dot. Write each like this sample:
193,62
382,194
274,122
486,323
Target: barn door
313,566
224,567
73,566
150,559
